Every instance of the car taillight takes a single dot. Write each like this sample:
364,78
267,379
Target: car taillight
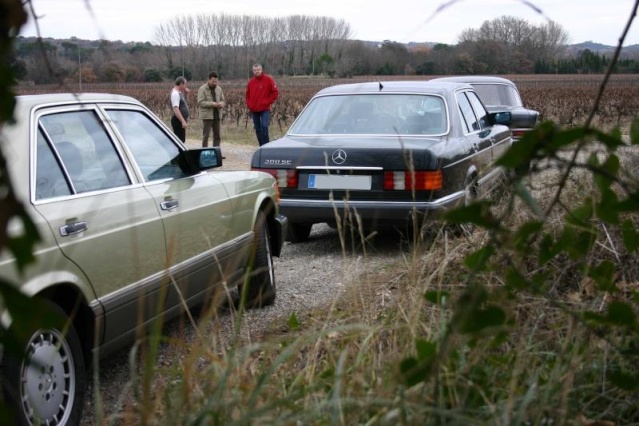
286,178
518,133
418,180
277,192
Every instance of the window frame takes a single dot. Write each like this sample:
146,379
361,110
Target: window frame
106,108
37,126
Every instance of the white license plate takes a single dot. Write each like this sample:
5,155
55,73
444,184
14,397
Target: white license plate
339,182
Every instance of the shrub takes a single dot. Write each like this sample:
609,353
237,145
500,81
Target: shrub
152,75
178,71
112,72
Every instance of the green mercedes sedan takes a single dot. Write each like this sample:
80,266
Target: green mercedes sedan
133,227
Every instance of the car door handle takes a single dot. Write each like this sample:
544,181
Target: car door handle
169,204
73,228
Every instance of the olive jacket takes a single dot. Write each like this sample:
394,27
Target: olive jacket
205,108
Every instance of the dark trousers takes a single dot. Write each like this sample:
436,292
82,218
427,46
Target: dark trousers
260,122
179,131
207,125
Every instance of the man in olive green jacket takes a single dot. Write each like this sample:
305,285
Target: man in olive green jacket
210,101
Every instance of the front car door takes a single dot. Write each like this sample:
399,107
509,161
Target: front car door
196,210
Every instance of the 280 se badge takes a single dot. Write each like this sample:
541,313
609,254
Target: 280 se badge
271,162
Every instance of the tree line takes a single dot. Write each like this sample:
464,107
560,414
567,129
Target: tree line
300,45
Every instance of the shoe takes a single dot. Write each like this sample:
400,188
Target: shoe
223,158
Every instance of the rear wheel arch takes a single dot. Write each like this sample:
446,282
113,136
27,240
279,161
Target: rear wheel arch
71,300
471,184
471,193
267,207
258,288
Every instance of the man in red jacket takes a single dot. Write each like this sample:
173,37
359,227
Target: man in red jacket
261,92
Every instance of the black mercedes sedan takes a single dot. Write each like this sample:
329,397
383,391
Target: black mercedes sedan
382,154
501,94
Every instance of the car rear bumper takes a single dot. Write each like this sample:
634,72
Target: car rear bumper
317,211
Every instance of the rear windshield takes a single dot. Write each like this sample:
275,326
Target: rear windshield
498,95
383,114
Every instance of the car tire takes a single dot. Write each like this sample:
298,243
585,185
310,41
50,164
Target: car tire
466,229
261,289
298,232
47,384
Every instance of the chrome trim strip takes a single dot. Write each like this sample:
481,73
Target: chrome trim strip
173,270
377,204
435,136
86,194
490,176
337,168
244,239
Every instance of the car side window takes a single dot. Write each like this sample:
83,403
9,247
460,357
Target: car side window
82,146
480,111
466,111
153,150
49,180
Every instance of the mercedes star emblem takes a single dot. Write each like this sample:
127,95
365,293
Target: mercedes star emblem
339,156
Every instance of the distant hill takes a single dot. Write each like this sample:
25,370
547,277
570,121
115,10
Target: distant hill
631,51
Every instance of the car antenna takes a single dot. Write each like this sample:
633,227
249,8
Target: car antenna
381,86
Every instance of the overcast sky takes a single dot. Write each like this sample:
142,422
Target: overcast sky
374,20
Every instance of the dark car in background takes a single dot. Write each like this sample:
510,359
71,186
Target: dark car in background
384,154
501,94
133,229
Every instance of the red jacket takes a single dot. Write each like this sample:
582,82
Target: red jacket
261,92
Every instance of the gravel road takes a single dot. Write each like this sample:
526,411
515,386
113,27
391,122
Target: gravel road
308,276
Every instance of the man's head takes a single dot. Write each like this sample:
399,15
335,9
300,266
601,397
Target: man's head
212,79
180,83
257,70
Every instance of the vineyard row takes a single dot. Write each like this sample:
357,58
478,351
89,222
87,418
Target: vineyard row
566,100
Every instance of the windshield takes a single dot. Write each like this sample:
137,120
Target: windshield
383,114
498,94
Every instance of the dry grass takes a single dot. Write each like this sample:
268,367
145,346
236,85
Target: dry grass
389,353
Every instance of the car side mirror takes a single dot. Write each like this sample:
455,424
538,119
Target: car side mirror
201,159
210,158
504,118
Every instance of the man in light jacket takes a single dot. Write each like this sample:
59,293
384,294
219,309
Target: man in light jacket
210,101
261,93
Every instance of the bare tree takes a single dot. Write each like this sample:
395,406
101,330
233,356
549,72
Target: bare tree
520,43
164,35
289,45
